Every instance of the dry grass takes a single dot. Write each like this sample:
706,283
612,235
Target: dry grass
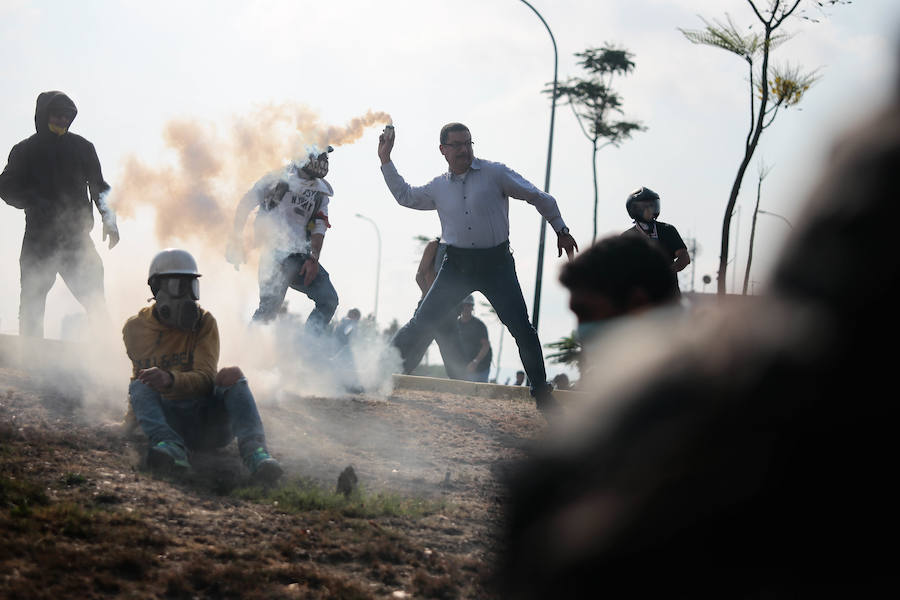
79,520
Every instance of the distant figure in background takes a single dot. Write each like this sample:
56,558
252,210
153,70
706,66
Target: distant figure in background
746,454
445,333
472,202
561,382
347,327
643,206
344,334
520,378
473,338
290,226
617,276
180,398
55,175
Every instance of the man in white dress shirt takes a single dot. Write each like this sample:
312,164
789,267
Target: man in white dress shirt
472,201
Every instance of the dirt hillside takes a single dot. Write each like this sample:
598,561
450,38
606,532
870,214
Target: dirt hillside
80,517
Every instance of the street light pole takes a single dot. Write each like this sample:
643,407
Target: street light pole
378,266
776,215
536,311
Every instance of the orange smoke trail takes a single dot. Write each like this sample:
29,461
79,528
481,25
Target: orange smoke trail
194,198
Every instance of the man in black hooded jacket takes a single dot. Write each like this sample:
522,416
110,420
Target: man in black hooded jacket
54,175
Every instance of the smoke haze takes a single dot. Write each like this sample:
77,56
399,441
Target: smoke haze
191,199
194,198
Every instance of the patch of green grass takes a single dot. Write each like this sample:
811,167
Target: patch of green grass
21,496
72,479
304,495
70,520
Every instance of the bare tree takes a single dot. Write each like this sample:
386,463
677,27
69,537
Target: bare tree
594,101
771,87
763,173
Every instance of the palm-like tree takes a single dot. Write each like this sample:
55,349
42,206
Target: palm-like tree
771,88
594,102
568,351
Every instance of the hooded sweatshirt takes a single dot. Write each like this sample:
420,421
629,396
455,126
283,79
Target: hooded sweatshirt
54,178
191,357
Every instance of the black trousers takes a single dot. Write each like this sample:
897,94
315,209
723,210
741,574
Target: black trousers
75,259
491,271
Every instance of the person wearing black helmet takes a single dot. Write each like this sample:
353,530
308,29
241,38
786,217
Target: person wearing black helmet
643,206
55,176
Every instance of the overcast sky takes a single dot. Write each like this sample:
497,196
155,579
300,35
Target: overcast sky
132,68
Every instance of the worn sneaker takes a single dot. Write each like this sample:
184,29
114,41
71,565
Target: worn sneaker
262,466
168,457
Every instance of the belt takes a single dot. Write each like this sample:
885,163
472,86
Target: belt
498,250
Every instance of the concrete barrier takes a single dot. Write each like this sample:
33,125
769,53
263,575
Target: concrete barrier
37,353
477,390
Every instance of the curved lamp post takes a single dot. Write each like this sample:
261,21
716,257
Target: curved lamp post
378,266
536,311
776,215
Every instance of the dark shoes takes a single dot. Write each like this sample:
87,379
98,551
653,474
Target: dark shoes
546,403
263,468
168,457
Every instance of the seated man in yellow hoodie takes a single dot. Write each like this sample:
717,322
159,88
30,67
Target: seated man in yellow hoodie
180,399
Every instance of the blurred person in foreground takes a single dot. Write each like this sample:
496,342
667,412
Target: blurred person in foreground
290,226
619,276
472,202
55,177
180,398
746,454
616,280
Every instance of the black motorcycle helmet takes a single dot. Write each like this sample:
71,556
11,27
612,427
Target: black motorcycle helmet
642,194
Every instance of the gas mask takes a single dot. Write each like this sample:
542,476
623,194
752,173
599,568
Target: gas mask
317,165
176,301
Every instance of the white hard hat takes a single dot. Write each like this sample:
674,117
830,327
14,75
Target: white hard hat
173,261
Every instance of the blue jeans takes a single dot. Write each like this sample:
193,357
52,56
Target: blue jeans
201,423
491,271
276,276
